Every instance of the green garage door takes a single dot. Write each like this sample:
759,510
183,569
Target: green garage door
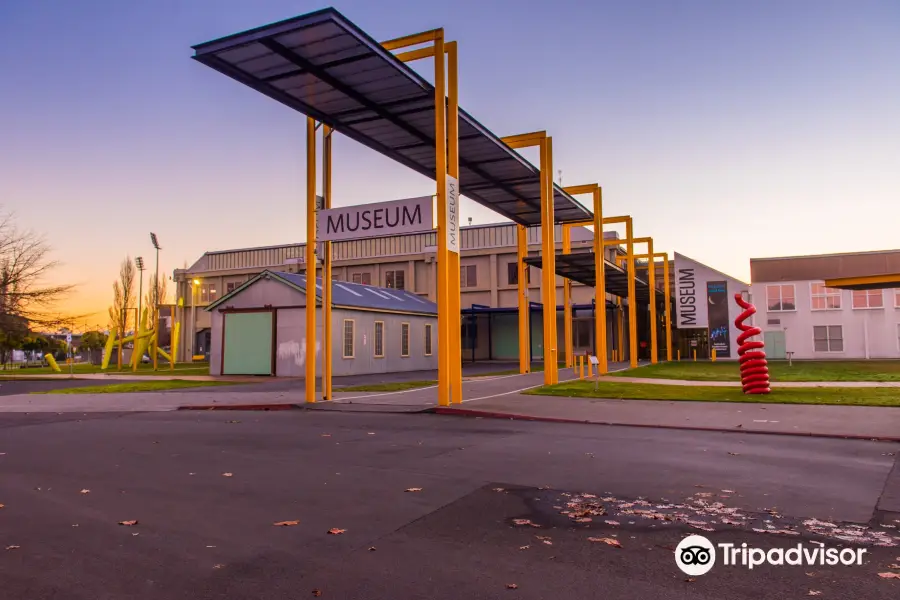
248,344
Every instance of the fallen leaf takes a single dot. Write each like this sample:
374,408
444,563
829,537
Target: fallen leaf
210,546
218,566
814,593
511,586
326,435
525,522
227,474
810,574
128,523
371,433
134,534
608,541
286,523
691,579
13,547
85,491
372,548
317,592
232,421
525,547
413,489
611,522
2,505
727,491
75,525
499,490
733,454
583,520
336,531
882,575
894,566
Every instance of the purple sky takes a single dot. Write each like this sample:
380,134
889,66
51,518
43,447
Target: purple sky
698,118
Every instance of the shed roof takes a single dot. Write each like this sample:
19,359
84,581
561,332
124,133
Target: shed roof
324,66
346,295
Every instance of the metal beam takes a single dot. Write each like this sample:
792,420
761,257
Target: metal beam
310,259
522,295
524,140
414,39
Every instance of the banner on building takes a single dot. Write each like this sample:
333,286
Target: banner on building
690,281
719,324
452,214
395,217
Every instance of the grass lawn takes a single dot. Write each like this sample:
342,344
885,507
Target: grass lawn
646,391
85,369
138,386
820,370
397,386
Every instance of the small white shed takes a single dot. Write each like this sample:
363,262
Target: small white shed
260,329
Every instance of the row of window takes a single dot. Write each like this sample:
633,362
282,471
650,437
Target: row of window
378,339
830,338
781,298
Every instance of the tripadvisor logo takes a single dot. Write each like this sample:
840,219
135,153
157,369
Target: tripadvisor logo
696,555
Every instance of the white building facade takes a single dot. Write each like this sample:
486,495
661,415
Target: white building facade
800,315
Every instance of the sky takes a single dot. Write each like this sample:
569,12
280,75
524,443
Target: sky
728,130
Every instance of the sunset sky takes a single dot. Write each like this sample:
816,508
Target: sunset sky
726,129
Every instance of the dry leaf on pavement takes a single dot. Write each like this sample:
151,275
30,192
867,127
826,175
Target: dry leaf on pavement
128,523
85,491
371,433
286,523
372,548
733,454
227,474
218,566
13,547
526,547
317,592
2,505
499,490
326,435
889,575
511,586
691,579
814,593
336,531
413,489
608,541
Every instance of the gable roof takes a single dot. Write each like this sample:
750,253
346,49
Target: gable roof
345,294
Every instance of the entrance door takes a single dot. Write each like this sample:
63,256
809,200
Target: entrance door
775,347
248,344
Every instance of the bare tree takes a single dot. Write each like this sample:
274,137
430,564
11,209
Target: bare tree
157,290
123,299
26,299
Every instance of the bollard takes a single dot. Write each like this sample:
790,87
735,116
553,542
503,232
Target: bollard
695,356
713,356
679,355
52,362
590,368
581,367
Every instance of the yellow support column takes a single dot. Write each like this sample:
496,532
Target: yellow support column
310,260
632,300
445,318
567,300
651,281
176,332
524,305
668,296
548,274
453,171
600,289
581,367
327,343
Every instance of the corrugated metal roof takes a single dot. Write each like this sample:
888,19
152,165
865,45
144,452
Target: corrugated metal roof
347,295
324,66
579,266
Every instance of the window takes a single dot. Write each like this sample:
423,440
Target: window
379,339
469,333
394,279
363,278
428,339
582,332
824,298
208,293
828,338
512,273
404,339
868,299
229,287
780,297
897,298
349,339
468,276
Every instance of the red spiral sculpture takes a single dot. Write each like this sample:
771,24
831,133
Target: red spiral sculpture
754,366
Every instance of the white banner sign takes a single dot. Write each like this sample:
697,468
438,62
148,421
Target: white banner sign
452,214
396,217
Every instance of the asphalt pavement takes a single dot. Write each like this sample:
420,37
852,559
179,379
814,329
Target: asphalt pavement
482,520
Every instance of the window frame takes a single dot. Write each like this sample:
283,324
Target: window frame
361,275
825,295
464,282
352,338
513,267
868,296
405,333
828,339
375,340
780,287
393,274
896,297
429,339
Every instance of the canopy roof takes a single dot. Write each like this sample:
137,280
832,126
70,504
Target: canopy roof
325,67
580,267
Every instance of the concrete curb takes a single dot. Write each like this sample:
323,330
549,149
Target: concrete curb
263,407
468,412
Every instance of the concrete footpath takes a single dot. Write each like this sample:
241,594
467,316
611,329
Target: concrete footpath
858,422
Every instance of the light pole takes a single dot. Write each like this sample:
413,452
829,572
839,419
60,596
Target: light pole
139,261
155,241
